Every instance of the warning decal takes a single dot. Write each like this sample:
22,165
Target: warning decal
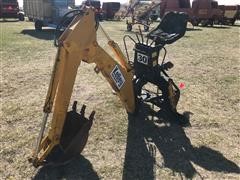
117,77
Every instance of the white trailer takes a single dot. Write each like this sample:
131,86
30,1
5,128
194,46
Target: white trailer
46,12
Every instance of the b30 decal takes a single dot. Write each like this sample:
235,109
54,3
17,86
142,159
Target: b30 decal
142,58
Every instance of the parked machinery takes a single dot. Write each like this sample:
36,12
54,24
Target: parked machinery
205,12
68,131
10,9
141,13
109,9
46,12
230,14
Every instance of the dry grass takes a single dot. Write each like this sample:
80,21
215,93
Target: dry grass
119,147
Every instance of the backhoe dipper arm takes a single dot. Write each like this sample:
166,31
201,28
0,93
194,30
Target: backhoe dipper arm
80,40
77,43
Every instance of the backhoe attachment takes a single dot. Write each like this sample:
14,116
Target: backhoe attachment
68,131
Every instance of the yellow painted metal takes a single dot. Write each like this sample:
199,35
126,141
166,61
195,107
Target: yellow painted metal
121,59
82,40
119,54
68,72
53,84
106,64
77,43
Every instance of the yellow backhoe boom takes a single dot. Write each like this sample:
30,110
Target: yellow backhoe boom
77,43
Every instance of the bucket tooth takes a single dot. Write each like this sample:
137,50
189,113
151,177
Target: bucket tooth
74,136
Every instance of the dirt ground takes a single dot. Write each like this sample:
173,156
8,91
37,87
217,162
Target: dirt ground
148,146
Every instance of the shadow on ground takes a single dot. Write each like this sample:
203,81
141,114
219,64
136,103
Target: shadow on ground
236,25
79,168
217,27
45,34
194,29
147,136
8,20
